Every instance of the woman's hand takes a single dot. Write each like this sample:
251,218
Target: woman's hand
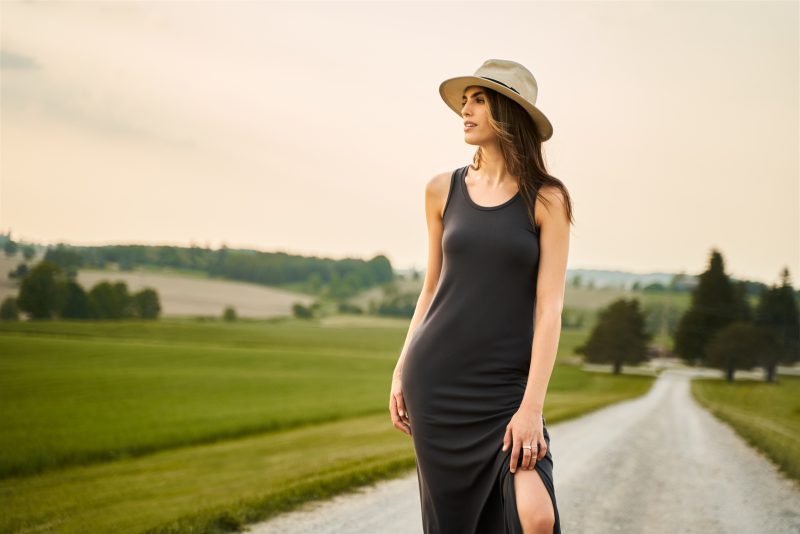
397,406
525,428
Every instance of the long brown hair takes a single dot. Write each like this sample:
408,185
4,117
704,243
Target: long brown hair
521,146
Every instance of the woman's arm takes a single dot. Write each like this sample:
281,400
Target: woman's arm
554,249
436,191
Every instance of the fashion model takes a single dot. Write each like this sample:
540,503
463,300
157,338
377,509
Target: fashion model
470,383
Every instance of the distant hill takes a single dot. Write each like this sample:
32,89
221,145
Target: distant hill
602,278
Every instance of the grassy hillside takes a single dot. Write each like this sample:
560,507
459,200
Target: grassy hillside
127,426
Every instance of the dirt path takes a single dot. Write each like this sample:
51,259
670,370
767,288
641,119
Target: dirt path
659,463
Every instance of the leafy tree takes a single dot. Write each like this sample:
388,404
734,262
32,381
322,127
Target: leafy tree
396,304
65,257
10,247
341,288
146,304
346,307
20,272
302,312
76,302
8,310
28,252
229,314
736,346
619,336
110,301
41,291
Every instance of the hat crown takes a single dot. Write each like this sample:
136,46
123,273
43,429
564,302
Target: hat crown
508,78
511,74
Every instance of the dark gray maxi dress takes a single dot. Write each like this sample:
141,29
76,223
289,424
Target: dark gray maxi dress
467,366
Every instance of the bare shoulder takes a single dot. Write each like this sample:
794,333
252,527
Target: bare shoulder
436,190
439,183
552,194
553,206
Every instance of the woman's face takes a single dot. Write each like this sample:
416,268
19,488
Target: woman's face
475,109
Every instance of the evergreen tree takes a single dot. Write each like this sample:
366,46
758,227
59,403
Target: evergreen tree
777,313
716,303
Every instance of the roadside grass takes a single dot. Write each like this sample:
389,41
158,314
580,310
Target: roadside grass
766,415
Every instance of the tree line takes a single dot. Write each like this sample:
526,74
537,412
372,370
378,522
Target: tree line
719,330
47,292
340,278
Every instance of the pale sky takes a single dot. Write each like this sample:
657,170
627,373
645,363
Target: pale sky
312,128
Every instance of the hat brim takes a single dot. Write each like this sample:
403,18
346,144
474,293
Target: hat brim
452,92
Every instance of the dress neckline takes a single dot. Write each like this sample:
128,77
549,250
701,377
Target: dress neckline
479,206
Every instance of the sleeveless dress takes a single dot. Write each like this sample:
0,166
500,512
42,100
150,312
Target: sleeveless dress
467,364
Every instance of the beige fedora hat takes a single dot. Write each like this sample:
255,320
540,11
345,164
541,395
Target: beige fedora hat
506,77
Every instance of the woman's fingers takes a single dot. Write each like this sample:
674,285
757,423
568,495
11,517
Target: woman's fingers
536,453
526,457
534,457
400,423
401,426
516,451
507,438
401,408
542,450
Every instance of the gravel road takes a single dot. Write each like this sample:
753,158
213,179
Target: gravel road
656,464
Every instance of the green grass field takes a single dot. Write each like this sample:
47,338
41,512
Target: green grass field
190,426
766,415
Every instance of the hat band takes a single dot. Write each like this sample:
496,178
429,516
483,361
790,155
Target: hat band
501,83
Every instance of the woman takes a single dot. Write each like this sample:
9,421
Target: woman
470,382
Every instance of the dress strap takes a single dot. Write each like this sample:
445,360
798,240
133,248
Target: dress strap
454,177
